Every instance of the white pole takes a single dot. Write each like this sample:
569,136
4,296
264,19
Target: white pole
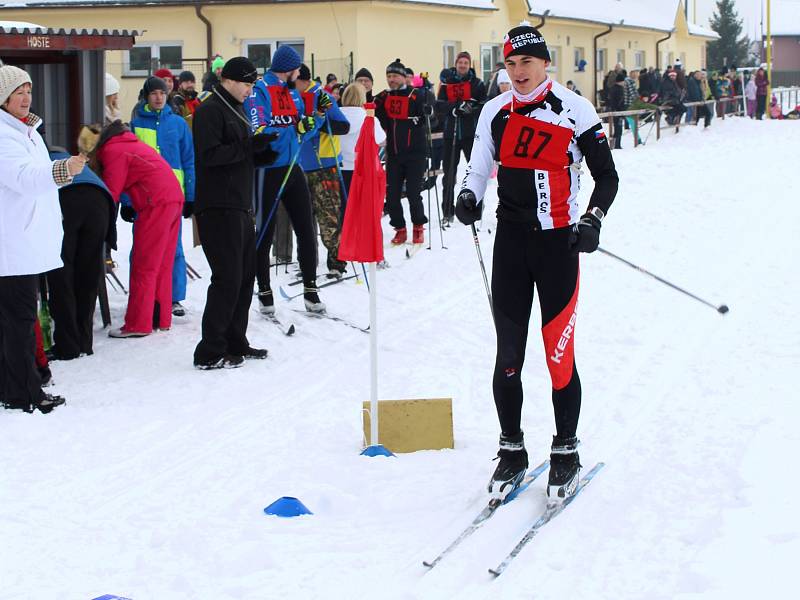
373,354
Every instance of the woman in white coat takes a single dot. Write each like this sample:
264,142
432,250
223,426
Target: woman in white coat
30,237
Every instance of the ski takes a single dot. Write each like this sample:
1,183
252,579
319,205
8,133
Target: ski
487,513
328,280
410,252
313,315
287,297
286,330
552,511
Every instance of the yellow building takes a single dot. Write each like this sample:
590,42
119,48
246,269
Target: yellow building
343,34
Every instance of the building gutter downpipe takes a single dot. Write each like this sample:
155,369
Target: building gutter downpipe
597,37
542,22
658,51
198,10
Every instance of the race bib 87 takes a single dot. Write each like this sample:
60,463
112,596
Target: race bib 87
532,144
282,103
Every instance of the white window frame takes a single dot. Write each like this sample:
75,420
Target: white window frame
154,54
495,51
272,43
555,51
639,59
453,45
601,60
621,58
578,55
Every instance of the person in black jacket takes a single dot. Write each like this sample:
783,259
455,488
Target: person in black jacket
89,213
225,159
459,102
402,112
616,102
671,97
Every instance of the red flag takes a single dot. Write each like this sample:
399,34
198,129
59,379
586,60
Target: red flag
362,237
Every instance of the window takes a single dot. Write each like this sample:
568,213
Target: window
621,57
553,68
639,59
579,60
490,55
144,59
449,52
261,51
600,60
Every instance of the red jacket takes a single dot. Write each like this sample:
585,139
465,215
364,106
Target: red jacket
133,167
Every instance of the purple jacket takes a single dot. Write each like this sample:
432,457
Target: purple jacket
761,84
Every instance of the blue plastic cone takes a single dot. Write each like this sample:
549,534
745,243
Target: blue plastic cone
287,507
376,450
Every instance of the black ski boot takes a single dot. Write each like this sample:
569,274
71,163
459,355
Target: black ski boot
512,466
565,469
266,302
311,298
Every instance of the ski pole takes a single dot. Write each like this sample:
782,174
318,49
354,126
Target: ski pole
721,309
483,267
265,224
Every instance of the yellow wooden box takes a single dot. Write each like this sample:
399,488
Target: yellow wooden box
411,425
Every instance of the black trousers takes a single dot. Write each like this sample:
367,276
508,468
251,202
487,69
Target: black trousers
761,107
410,170
20,383
525,260
73,287
453,147
348,180
618,129
229,243
702,111
297,202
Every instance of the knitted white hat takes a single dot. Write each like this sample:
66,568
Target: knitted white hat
10,79
112,85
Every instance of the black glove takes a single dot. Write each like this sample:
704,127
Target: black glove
463,109
585,234
127,213
324,103
468,209
261,141
188,209
427,110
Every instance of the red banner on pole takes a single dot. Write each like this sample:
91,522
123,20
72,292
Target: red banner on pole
362,237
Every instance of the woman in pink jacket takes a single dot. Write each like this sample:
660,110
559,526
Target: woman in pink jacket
132,167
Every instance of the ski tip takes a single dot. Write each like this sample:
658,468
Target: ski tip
291,330
283,293
427,564
495,573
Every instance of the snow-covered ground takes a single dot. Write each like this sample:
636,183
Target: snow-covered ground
150,482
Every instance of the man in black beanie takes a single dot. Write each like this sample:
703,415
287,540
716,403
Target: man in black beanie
364,77
225,157
541,132
402,111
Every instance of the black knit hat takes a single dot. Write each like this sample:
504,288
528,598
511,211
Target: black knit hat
305,73
409,71
525,41
396,67
362,72
152,84
186,76
240,69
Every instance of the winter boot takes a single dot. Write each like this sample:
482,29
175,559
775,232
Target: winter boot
266,303
565,468
418,234
178,310
512,466
400,236
229,361
311,298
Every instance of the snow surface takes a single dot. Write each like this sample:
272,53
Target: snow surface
150,482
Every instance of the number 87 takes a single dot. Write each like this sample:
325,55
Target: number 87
526,137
